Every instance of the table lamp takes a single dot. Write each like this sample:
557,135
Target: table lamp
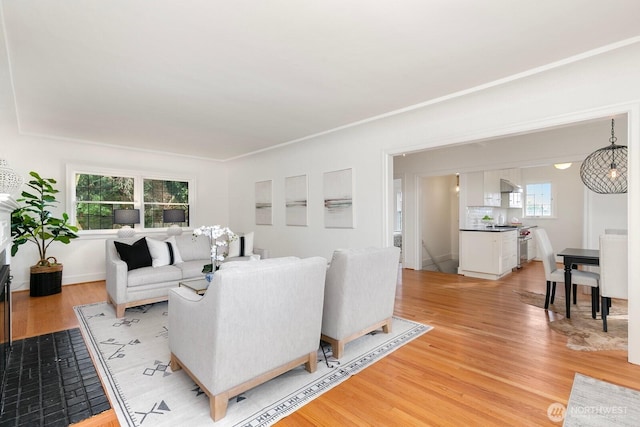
173,216
126,217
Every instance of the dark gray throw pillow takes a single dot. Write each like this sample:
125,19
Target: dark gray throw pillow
136,255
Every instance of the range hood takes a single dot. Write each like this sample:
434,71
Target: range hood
507,186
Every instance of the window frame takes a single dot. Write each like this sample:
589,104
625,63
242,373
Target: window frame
553,205
138,194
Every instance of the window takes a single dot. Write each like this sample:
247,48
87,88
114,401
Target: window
160,195
97,194
538,200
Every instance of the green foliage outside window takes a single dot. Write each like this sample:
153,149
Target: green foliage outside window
98,195
160,195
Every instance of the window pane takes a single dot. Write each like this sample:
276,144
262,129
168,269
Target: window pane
538,200
160,195
157,191
102,188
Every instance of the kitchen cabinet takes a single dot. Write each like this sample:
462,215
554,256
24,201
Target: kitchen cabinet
488,254
474,188
491,184
483,188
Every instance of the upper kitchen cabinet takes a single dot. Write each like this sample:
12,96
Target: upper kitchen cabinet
474,188
492,195
484,189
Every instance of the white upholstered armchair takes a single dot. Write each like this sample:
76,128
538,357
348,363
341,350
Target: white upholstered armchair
359,294
220,338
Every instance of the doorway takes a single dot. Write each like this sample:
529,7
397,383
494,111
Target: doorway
439,223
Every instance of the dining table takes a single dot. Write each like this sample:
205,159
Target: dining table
576,256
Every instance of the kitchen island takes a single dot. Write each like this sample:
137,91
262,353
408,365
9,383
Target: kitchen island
488,252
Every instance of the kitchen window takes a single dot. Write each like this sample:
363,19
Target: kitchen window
538,200
96,194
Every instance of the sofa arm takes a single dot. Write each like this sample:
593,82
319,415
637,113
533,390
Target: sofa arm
116,274
264,253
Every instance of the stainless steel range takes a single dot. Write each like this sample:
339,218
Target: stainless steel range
524,235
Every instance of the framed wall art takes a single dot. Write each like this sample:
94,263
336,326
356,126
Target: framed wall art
295,190
263,196
338,199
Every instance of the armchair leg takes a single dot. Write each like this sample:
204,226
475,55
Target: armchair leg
386,328
174,363
218,406
312,364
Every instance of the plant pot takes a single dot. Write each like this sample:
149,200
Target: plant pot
46,279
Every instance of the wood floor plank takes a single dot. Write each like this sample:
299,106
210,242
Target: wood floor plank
490,360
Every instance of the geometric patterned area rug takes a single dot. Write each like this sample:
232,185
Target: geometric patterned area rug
133,358
583,332
599,403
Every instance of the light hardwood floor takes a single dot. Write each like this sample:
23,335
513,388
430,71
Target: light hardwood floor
490,360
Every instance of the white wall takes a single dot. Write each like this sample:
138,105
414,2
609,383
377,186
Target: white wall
83,258
582,90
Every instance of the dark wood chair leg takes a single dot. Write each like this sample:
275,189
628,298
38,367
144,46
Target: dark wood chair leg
547,295
553,292
575,294
605,310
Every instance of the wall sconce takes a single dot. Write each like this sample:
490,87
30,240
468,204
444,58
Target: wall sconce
173,216
605,170
457,183
127,217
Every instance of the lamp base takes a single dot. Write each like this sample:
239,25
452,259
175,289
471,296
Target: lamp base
126,231
174,230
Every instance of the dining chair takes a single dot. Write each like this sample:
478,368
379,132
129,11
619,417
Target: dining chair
553,274
614,280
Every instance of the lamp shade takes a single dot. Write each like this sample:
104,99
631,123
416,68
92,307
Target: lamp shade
605,170
173,215
126,216
10,181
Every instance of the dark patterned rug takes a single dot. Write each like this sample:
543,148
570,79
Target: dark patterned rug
585,333
133,354
51,381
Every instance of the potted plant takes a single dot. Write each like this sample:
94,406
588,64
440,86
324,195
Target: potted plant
33,222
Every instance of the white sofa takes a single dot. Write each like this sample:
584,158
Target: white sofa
145,285
257,320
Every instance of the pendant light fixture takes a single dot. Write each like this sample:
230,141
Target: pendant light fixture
605,170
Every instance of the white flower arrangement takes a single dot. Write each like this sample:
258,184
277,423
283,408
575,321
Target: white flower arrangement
219,238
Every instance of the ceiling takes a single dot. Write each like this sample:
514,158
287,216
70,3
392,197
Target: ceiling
221,79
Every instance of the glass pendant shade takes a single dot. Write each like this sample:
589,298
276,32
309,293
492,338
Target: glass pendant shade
10,181
605,170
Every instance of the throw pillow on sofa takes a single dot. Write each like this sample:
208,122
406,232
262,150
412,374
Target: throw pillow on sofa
136,255
242,246
164,252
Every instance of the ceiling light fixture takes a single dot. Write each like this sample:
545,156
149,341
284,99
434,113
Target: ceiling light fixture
562,166
605,170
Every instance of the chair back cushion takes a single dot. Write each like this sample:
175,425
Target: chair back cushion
360,289
545,251
614,266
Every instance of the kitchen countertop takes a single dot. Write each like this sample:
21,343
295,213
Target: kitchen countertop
497,228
